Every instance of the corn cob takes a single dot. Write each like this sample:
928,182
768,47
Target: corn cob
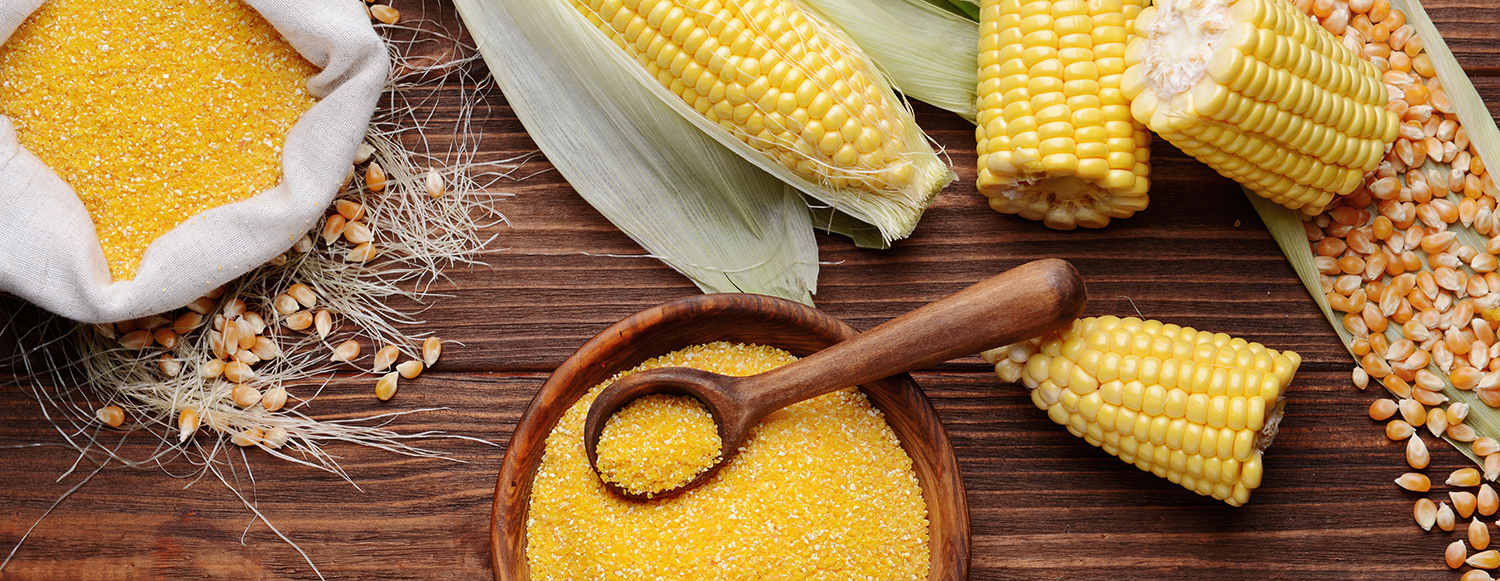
1056,139
779,81
1262,94
1194,407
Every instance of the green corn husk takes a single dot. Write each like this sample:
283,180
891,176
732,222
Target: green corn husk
1287,229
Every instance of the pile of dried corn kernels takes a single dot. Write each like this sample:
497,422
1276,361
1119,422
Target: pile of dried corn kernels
1403,265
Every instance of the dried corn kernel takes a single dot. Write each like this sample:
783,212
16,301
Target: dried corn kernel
432,348
244,395
248,437
187,424
375,177
273,400
324,323
275,438
346,351
1425,512
384,358
385,387
111,415
409,369
1415,482
435,185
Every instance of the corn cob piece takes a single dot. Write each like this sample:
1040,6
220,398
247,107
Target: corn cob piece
778,80
1194,407
1262,94
1056,139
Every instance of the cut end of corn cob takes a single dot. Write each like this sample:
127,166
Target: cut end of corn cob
1056,139
1194,407
1262,94
780,81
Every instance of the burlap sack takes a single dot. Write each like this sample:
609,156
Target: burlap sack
50,254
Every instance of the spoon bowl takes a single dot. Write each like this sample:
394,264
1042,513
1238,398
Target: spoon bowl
1018,304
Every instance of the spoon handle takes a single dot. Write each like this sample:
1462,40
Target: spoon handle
1015,305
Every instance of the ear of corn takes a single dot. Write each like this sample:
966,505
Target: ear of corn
1056,139
701,208
1261,93
1194,407
772,81
1449,378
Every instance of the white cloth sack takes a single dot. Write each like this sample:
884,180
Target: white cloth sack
50,254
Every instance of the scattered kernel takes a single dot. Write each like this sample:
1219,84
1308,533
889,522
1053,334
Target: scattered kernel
248,437
1455,554
324,322
244,395
374,177
1415,482
275,438
346,351
1425,512
409,369
1464,477
384,13
111,415
385,387
273,400
187,424
432,348
384,358
435,185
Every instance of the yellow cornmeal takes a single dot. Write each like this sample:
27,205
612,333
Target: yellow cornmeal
821,490
153,111
658,442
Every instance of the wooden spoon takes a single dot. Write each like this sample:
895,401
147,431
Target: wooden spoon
1018,304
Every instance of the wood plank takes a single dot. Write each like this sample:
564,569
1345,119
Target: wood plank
1043,503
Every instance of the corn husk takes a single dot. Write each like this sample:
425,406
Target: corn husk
1286,225
938,69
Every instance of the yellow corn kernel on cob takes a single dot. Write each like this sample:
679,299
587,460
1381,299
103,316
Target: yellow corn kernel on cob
1194,407
1056,139
781,82
1262,94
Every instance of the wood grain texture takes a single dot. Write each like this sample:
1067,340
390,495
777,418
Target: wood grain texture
1043,504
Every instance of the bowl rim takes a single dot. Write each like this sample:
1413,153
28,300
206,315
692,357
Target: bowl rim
915,422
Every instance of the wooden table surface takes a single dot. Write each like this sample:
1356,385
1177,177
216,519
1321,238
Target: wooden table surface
1044,505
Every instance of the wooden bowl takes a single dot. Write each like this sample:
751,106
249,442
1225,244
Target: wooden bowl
743,318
